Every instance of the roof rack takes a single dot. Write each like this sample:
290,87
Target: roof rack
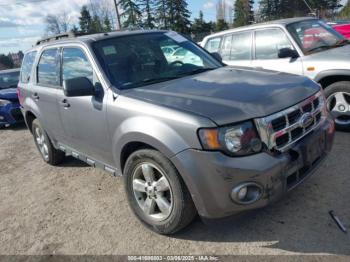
57,37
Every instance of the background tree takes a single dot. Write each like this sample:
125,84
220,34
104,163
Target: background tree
107,26
96,25
131,13
85,20
148,20
275,9
243,13
57,24
345,12
161,18
200,28
221,25
6,61
179,16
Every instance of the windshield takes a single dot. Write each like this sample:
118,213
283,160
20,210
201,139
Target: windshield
9,80
315,36
138,60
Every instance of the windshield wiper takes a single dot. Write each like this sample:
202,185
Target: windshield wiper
342,42
319,47
197,71
157,80
148,81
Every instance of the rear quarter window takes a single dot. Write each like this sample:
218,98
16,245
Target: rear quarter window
27,67
213,45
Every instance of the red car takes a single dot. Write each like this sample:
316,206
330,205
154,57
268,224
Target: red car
343,29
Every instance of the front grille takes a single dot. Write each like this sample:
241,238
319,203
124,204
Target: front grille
17,114
281,130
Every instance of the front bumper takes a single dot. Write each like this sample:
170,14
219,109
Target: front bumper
10,114
211,176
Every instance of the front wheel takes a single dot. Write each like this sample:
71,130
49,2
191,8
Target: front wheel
156,192
338,103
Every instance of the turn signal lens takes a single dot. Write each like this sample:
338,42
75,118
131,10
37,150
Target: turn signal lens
210,138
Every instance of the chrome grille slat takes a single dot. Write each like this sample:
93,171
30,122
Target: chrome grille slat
270,136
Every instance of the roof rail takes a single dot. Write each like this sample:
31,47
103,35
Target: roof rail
57,37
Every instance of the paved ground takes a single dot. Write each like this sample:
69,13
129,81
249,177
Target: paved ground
75,209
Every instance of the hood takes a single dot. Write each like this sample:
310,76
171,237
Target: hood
339,54
227,95
9,94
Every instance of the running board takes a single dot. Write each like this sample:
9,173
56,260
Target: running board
88,160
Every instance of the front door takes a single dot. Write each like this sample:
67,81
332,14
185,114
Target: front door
84,118
268,42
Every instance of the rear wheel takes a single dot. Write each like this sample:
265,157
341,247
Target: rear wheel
50,154
156,192
338,103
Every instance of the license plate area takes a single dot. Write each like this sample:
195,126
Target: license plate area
314,149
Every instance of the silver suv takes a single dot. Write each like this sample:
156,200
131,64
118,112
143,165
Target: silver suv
189,135
303,46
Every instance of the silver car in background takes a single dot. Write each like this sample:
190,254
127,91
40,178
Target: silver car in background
303,46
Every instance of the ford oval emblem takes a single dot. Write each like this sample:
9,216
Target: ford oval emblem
306,120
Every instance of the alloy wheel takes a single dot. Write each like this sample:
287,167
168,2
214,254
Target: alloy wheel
339,106
152,191
41,142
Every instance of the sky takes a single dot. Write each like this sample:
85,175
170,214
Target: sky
22,21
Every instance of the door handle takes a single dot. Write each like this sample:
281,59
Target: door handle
65,103
36,96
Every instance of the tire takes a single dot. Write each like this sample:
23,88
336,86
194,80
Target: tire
182,211
51,155
336,92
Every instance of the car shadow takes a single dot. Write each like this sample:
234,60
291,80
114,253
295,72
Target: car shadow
73,162
273,231
15,127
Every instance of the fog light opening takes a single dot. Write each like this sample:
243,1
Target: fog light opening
247,193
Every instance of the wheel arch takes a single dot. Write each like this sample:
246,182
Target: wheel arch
329,77
133,135
29,117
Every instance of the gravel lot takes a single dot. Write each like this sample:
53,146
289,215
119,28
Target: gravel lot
75,209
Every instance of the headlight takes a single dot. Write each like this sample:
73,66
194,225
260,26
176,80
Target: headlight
237,140
4,102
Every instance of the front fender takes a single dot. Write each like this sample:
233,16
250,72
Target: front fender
150,131
331,72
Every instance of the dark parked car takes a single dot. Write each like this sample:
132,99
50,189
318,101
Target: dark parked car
10,112
188,137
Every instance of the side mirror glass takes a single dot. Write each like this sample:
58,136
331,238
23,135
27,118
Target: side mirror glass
217,56
287,53
79,86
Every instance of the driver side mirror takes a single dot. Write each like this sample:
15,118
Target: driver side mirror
287,53
79,86
217,56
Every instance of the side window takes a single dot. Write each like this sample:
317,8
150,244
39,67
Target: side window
269,42
48,68
241,46
213,45
75,64
226,48
27,66
237,46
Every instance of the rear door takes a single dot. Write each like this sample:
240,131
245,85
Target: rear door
236,49
268,42
44,92
84,118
